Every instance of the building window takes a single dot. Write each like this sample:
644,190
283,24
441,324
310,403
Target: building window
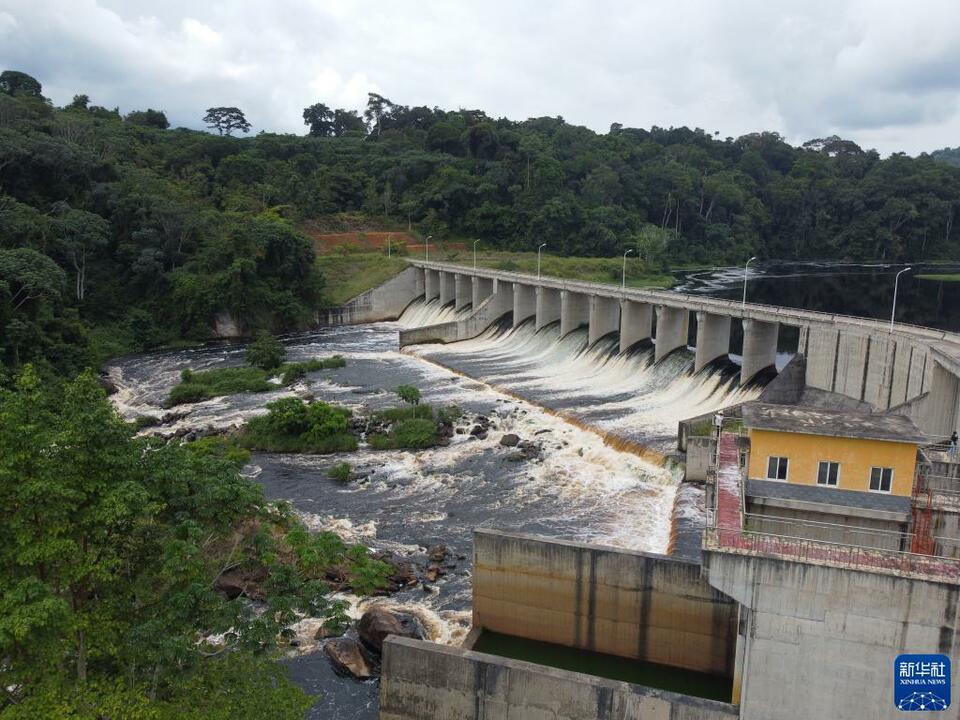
881,479
828,473
777,468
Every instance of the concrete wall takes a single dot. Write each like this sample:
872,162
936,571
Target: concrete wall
462,291
636,323
425,681
604,317
448,287
482,289
673,327
524,303
384,302
819,642
636,605
548,306
494,307
713,339
701,452
431,284
759,348
574,311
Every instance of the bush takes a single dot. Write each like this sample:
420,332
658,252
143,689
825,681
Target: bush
291,425
197,386
266,352
340,472
413,434
409,394
294,371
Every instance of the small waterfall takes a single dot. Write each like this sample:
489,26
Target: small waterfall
421,314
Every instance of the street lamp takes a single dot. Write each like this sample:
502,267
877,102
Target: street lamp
743,304
623,279
427,245
542,246
475,253
896,283
388,245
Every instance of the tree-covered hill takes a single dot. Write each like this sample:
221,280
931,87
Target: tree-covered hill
119,233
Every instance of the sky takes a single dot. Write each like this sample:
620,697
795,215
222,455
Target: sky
884,74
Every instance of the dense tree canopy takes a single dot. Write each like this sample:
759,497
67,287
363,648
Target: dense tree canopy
156,231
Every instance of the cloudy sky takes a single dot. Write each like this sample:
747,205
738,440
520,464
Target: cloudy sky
885,74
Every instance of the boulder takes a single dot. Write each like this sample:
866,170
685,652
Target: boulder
347,658
433,572
325,633
438,553
378,622
241,581
510,440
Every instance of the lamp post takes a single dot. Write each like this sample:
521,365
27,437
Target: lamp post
388,245
623,277
475,253
743,304
896,284
542,246
427,245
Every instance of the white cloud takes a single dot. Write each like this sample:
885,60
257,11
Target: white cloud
880,72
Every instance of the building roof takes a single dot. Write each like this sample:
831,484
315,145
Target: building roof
854,499
816,421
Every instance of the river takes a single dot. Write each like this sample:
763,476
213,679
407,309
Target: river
604,422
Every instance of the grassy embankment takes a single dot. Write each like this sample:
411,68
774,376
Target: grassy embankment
347,274
948,277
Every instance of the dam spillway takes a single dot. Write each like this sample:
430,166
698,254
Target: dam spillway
908,369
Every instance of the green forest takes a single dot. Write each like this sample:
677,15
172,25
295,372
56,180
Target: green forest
119,233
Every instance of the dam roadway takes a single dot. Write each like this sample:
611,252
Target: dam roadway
909,369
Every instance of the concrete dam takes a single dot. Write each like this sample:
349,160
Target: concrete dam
902,368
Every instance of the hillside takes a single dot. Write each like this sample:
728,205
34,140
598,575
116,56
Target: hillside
119,233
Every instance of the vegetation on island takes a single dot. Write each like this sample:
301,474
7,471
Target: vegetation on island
292,425
119,233
116,555
940,277
414,426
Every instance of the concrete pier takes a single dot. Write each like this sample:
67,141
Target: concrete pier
673,326
548,306
604,317
524,303
462,291
636,323
431,284
448,287
713,339
482,289
759,347
574,311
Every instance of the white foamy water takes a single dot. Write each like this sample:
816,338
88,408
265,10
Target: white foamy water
623,393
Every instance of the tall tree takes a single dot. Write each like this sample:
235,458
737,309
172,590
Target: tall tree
226,119
14,82
320,119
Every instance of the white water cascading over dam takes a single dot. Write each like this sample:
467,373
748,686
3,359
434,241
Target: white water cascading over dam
902,368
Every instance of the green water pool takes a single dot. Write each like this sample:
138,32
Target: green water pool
612,667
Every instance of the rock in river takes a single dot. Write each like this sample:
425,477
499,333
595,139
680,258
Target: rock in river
347,658
377,623
510,440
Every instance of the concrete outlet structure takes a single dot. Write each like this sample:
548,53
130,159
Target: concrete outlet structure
462,291
759,347
636,323
482,289
604,317
524,303
448,287
431,284
713,339
548,306
574,311
673,327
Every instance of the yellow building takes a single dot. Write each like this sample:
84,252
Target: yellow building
829,449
